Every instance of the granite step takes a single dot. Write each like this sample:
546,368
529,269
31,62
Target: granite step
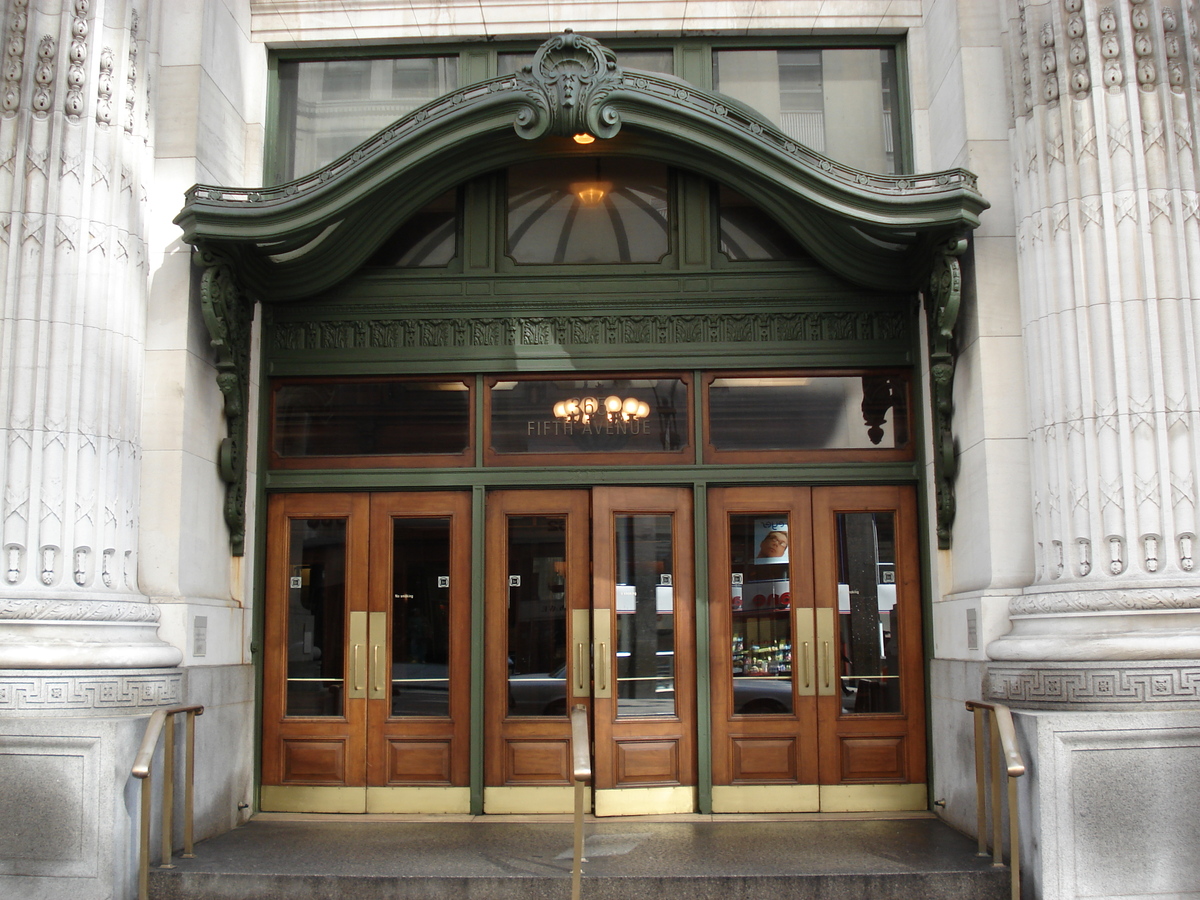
698,858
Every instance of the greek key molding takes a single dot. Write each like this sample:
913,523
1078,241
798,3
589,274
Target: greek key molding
1132,685
410,333
1128,600
84,692
51,610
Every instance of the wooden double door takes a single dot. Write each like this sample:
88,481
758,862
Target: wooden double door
590,603
366,688
810,634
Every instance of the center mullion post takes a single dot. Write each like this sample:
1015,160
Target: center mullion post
700,580
478,585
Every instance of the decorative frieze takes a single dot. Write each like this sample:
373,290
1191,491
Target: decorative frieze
85,692
77,61
1133,685
609,330
14,56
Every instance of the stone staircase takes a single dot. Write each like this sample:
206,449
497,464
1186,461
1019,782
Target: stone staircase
693,858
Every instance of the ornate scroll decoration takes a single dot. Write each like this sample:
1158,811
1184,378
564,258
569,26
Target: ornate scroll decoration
566,89
229,316
942,299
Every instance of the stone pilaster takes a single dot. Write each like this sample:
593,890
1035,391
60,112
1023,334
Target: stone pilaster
1109,240
73,269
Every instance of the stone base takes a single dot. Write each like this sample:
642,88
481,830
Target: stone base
1108,804
67,744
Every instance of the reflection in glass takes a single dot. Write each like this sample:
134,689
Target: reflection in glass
420,617
749,234
760,601
537,623
316,617
524,418
867,621
846,412
327,107
370,418
428,239
645,616
836,101
588,210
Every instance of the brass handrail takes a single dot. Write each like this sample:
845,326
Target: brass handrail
142,765
1006,762
581,775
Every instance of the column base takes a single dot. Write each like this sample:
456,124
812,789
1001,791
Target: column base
74,634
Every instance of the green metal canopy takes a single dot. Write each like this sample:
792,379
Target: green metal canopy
896,233
298,239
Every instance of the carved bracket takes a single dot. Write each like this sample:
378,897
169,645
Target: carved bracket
566,89
942,299
229,316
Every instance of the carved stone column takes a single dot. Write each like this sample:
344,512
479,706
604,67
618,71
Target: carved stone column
73,146
1109,241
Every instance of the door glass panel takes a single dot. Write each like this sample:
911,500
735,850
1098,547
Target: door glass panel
420,617
537,624
870,670
760,604
645,612
316,617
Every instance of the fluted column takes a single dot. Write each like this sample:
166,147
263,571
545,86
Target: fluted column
1109,254
73,269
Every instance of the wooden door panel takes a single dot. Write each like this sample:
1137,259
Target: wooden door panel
873,730
420,660
313,728
648,612
529,627
763,728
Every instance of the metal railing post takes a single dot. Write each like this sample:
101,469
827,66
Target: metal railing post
1006,762
581,774
143,764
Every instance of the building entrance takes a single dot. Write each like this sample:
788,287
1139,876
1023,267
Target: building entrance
392,683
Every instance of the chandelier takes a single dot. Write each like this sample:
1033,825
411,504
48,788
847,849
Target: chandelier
583,410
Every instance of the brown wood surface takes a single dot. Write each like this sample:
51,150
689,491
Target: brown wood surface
650,750
325,750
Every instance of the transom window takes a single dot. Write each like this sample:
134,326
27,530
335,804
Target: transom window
540,420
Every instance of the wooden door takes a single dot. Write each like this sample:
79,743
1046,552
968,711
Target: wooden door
589,603
871,708
366,663
644,684
816,653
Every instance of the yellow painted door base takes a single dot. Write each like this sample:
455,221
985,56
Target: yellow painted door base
647,801
533,800
319,799
784,798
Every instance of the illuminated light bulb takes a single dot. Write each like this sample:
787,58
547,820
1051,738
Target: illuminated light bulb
560,409
584,138
630,407
643,409
612,404
589,406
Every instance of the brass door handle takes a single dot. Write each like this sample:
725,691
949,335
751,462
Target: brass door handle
601,658
357,689
825,663
378,641
581,672
603,670
827,683
804,666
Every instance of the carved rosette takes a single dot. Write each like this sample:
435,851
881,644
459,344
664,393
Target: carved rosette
566,89
229,317
943,296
